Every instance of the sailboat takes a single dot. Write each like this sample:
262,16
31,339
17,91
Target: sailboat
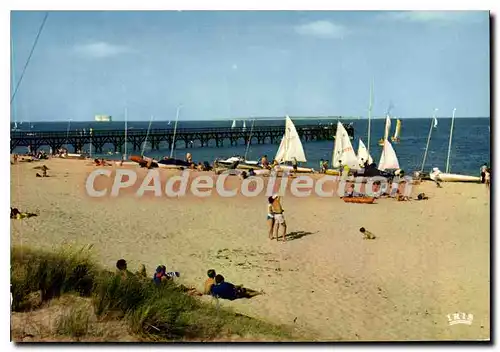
387,131
291,148
363,154
343,152
397,132
244,125
388,159
234,124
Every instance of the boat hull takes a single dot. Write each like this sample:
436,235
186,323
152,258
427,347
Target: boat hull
332,172
359,200
288,168
457,178
173,163
245,166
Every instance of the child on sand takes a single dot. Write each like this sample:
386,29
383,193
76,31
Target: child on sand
367,235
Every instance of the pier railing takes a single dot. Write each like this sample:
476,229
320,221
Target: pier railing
191,137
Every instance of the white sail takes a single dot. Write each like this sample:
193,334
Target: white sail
387,127
388,159
244,125
234,124
397,131
363,154
291,146
343,152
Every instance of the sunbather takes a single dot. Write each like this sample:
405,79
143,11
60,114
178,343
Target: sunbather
227,290
207,288
121,269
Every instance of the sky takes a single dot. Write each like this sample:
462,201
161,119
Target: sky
229,64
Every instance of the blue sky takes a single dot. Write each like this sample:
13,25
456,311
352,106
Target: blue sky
234,64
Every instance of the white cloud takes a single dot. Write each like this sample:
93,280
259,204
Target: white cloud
100,49
436,17
322,29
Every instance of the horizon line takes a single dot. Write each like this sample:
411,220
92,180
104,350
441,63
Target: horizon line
261,119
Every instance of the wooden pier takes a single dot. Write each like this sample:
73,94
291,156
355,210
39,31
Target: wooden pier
162,138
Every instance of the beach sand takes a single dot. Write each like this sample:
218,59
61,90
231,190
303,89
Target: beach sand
429,259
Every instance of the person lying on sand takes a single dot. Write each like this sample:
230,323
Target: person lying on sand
227,290
422,196
207,287
367,235
16,214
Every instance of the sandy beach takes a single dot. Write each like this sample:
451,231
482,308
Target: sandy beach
430,258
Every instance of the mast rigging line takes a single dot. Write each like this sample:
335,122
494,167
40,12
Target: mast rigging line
29,57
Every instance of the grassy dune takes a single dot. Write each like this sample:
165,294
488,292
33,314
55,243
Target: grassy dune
87,303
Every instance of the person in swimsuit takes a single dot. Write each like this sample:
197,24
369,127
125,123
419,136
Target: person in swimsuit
279,218
270,217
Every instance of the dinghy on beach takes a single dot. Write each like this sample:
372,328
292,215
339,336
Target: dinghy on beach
388,159
343,152
458,178
447,177
291,148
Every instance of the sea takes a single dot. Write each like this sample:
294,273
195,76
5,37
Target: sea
470,146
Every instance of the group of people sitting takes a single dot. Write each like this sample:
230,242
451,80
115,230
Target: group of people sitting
215,285
397,191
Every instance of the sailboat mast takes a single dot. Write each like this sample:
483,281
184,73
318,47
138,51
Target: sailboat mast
126,131
175,131
67,133
249,139
449,143
370,116
428,139
147,135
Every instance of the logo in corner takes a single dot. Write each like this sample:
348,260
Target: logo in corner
460,318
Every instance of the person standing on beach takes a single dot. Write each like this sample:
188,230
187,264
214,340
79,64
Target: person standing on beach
434,176
270,217
483,172
279,218
487,177
264,162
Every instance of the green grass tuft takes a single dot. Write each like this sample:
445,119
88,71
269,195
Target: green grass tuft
156,313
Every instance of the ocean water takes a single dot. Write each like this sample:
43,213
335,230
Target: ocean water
470,145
